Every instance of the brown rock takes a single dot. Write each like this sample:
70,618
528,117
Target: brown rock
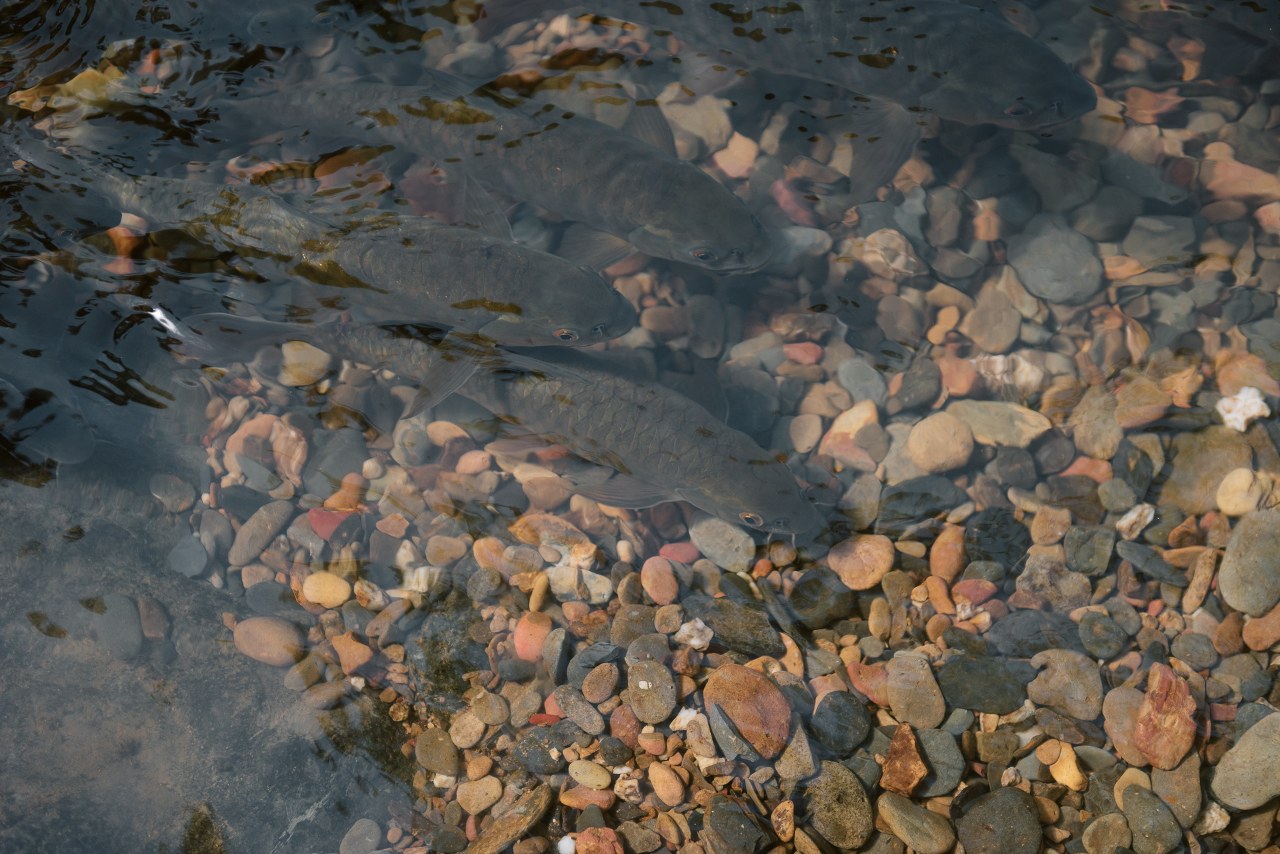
659,580
600,683
599,840
269,640
754,704
1120,713
530,633
514,823
903,767
1262,632
1166,726
946,556
352,654
862,560
581,797
666,784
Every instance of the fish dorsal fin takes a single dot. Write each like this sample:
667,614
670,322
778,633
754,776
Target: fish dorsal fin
597,249
646,122
623,490
883,135
482,212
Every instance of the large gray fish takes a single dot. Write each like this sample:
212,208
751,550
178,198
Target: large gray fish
632,188
963,63
662,445
478,282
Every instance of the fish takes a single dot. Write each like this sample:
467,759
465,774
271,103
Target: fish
478,281
661,445
630,187
959,62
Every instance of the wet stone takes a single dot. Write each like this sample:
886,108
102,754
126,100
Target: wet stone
840,723
1000,423
1101,637
364,837
905,504
119,626
1149,563
1070,684
753,704
258,530
588,659
727,546
538,751
1049,579
1247,579
577,709
1160,241
914,695
1022,634
981,685
838,806
920,829
1089,549
1154,829
514,823
269,640
435,751
994,534
651,691
1107,834
945,762
1245,777
739,627
650,647
1000,822
730,825
819,598
600,683
1054,261
189,557
631,622
1195,649
1200,462
1180,789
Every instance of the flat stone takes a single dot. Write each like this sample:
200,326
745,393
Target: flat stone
651,691
270,640
514,823
981,685
1154,829
754,705
1200,461
921,830
1049,579
189,557
1166,725
727,546
1247,579
1107,834
590,774
740,627
1070,684
364,837
1000,423
946,762
838,807
914,695
840,722
940,442
1245,777
862,560
259,530
434,751
1054,261
476,796
904,768
1180,789
577,709
1004,821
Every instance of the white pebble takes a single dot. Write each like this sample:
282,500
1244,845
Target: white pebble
566,846
1242,407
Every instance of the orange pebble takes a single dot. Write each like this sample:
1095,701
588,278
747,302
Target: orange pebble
350,495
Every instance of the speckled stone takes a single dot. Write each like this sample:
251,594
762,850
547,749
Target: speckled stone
1001,822
839,809
914,695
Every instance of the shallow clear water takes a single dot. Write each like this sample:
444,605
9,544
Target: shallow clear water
1008,366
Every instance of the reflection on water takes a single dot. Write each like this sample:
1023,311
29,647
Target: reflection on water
863,429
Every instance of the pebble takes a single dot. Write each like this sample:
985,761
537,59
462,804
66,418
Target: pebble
981,684
466,730
753,703
600,682
838,807
435,751
270,640
1070,684
364,837
259,530
659,580
666,784
1166,727
515,823
590,774
1247,579
840,722
577,709
302,365
1004,821
1200,462
919,829
862,561
741,627
1154,829
1245,777
119,626
651,691
946,762
476,796
727,546
326,589
1101,636
1180,789
1107,834
1000,423
940,442
914,695
1054,261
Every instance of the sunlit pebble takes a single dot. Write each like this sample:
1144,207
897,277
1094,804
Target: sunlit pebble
566,845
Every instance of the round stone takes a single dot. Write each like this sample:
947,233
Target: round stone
839,809
651,691
476,796
466,730
435,752
590,774
600,682
862,561
270,640
326,589
940,442
756,707
1002,821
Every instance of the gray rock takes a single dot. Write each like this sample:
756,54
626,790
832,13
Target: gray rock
729,826
651,691
1055,262
1195,649
1101,636
189,557
914,695
1247,578
364,837
919,829
119,627
838,807
435,751
1061,183
862,380
796,761
259,530
946,763
740,627
727,546
1160,241
1107,834
1070,684
840,723
1154,829
1000,822
1046,577
1141,179
577,709
1180,789
1107,216
1245,778
1200,462
981,684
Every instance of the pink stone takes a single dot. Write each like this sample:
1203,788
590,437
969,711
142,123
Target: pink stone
599,840
872,680
325,522
685,552
473,462
531,632
659,580
1166,727
803,352
975,591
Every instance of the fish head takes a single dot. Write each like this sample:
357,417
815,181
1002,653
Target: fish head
764,497
1014,82
706,226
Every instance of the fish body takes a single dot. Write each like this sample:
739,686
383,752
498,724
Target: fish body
434,273
960,62
582,169
665,446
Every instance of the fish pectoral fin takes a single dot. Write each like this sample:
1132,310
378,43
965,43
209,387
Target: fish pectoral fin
482,212
622,490
646,122
884,135
448,372
582,244
517,446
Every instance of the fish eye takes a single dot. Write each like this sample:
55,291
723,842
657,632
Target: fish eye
1017,111
755,520
568,336
703,254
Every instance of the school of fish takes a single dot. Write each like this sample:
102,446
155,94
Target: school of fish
624,188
